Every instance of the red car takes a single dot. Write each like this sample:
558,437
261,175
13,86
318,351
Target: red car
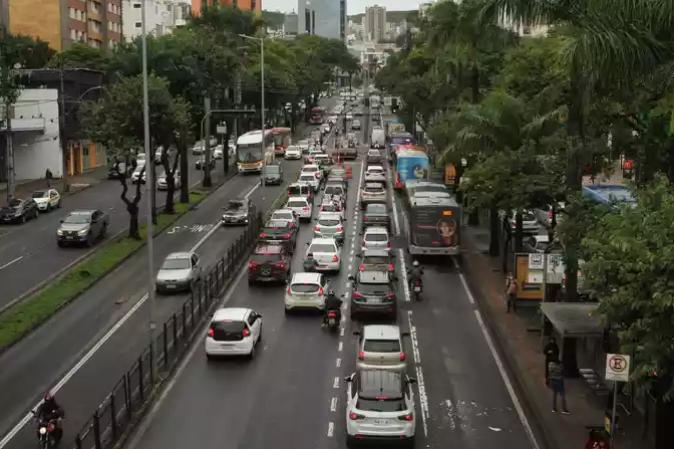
269,263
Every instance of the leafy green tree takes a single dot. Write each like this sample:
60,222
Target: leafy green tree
27,52
116,120
81,56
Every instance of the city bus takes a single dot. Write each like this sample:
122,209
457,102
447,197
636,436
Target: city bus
249,156
410,164
281,140
316,116
435,225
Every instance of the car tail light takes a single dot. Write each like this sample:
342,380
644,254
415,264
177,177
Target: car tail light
317,228
285,236
280,265
288,291
211,332
391,267
335,258
402,356
245,332
264,235
305,208
388,244
317,174
361,267
361,355
320,291
357,295
407,417
340,228
366,218
353,416
391,296
252,265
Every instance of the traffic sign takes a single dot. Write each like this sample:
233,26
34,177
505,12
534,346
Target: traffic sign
617,367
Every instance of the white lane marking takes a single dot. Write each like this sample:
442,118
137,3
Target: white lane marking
331,429
338,362
333,404
396,223
252,189
55,389
413,336
340,347
11,262
360,178
471,298
450,414
341,331
403,273
335,384
421,384
198,343
506,381
350,267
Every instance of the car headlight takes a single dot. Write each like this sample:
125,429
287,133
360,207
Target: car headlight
83,232
59,232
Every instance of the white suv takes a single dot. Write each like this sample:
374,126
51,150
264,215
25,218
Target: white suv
375,173
381,347
376,237
301,206
306,291
380,405
233,331
326,252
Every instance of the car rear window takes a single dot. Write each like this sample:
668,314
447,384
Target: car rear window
376,237
375,170
227,330
265,258
375,260
328,222
334,190
374,189
305,288
321,248
288,216
297,203
376,209
307,178
373,289
381,346
380,405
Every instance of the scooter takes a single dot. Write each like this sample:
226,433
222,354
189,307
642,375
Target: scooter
333,320
48,433
416,289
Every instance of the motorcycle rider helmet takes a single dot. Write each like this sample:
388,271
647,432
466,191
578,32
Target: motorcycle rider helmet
48,396
415,263
331,293
310,256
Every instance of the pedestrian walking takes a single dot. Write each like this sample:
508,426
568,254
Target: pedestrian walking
551,351
511,293
557,384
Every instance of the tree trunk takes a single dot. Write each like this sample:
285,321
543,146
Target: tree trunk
475,84
493,232
225,149
132,205
184,171
518,232
170,168
134,229
207,182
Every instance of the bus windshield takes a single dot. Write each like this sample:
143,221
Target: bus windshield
249,152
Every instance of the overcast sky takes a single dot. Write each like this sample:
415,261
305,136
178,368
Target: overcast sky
352,6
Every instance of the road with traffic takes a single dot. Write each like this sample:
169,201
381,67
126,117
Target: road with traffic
292,394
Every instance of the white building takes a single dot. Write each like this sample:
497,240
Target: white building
374,23
162,16
326,18
36,138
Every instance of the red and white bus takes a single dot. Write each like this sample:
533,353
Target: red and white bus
316,117
281,140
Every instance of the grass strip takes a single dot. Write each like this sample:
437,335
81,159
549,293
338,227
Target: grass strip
27,315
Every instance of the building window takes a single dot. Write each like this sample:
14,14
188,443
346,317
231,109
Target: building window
139,24
137,5
73,35
252,5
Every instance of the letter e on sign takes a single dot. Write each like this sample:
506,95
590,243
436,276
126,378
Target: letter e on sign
617,367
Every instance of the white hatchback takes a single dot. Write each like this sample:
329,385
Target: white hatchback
314,169
326,252
376,237
306,291
301,206
375,173
293,152
310,180
233,331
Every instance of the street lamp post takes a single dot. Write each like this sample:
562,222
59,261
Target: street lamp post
264,157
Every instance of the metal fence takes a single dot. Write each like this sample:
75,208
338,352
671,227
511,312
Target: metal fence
133,391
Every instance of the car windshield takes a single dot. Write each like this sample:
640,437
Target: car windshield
379,288
376,237
176,264
321,248
333,190
376,209
309,178
77,219
528,216
272,169
371,260
41,194
380,405
375,171
328,222
297,204
295,190
305,288
381,346
309,168
276,223
282,216
14,203
234,205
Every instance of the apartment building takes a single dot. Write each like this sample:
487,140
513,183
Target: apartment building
326,18
161,17
247,5
374,23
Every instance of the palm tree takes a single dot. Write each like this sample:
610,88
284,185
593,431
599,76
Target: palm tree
608,42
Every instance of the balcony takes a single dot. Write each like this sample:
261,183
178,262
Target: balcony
25,124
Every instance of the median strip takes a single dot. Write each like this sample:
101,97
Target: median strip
22,318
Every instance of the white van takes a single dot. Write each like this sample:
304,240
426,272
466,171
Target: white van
377,138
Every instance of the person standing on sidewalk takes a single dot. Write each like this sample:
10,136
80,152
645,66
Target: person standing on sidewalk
511,293
551,351
557,384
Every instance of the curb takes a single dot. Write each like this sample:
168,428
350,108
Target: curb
506,351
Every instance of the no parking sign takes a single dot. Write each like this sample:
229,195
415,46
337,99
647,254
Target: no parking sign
617,367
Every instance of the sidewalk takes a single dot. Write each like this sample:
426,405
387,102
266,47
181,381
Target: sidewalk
522,350
77,183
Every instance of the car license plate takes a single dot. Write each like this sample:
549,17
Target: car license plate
70,237
374,300
170,286
381,422
417,289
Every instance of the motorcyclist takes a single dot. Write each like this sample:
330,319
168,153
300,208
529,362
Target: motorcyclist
332,303
49,410
310,263
415,273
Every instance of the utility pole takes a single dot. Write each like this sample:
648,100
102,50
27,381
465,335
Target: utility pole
9,92
207,182
264,156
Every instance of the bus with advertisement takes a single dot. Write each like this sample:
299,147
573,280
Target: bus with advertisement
410,164
249,154
316,115
281,140
434,225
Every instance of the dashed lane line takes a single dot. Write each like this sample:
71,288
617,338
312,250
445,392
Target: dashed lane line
333,404
403,273
331,429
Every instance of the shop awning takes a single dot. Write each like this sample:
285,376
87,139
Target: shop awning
574,319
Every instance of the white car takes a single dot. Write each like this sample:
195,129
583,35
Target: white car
529,221
178,272
306,291
380,405
349,116
380,346
375,173
326,252
301,206
310,180
293,152
47,199
376,237
313,169
219,152
135,176
330,225
303,145
162,183
287,215
233,331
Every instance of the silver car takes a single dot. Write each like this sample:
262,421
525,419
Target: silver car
381,347
372,192
178,272
330,225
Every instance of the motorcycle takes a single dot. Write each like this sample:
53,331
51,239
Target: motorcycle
332,319
48,434
597,438
416,289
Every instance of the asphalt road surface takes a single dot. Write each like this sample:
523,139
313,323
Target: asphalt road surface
28,252
88,345
292,395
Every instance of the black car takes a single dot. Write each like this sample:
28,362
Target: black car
376,214
200,164
19,211
236,211
279,232
272,174
269,263
373,294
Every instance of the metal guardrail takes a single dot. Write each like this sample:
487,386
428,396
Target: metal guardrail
133,391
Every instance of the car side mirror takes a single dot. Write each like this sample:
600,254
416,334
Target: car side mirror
348,379
350,277
395,278
61,220
404,334
411,380
356,332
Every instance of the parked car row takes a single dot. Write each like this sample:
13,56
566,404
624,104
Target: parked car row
21,210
